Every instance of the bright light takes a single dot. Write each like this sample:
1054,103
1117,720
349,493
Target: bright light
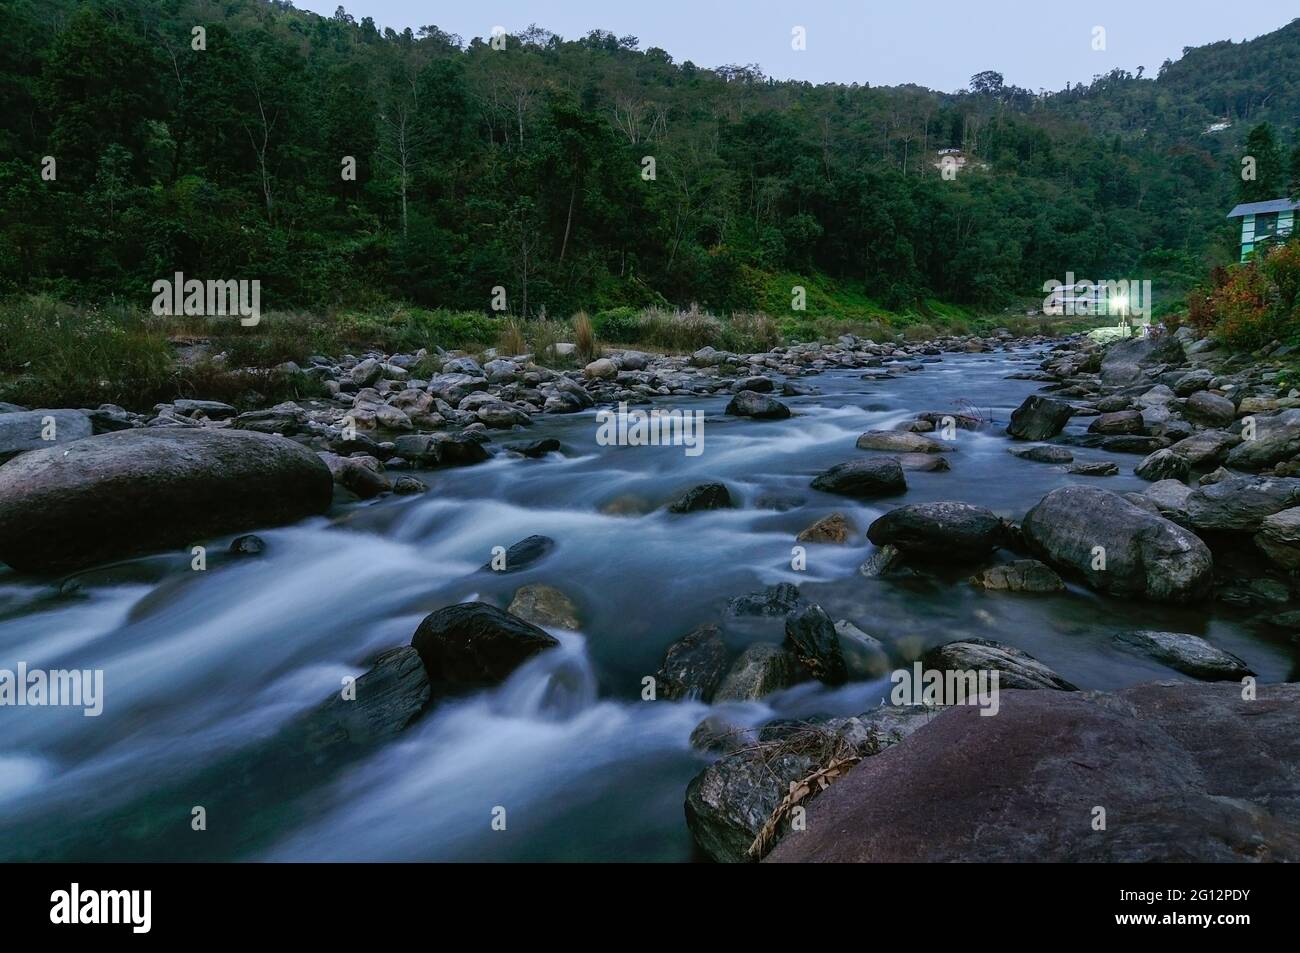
1119,304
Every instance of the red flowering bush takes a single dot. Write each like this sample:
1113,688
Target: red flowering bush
1248,306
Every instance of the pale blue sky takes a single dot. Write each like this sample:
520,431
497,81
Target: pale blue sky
940,43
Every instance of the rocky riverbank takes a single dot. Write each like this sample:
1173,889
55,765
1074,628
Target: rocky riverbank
1212,527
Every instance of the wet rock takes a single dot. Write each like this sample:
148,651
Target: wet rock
1240,504
715,733
117,495
474,644
1021,575
1039,418
748,403
945,530
409,486
899,441
1100,468
1206,448
810,636
1193,769
1144,555
284,420
502,416
1163,465
834,528
1276,439
706,496
863,478
521,555
778,600
392,694
537,448
353,474
21,431
759,385
440,449
760,670
1016,669
247,545
544,606
865,656
1279,538
923,462
1042,454
1189,654
693,666
1118,423
884,560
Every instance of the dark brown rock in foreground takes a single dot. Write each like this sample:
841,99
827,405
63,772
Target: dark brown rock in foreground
1185,772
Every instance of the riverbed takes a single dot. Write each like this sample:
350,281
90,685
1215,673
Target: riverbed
203,667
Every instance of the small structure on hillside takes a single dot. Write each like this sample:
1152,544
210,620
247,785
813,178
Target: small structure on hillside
1263,223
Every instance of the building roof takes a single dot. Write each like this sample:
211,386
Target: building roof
1258,208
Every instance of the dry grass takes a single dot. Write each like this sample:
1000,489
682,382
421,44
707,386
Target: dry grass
584,336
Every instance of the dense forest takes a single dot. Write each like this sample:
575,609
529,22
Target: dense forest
588,172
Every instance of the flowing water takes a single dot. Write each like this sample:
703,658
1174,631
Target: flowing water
202,669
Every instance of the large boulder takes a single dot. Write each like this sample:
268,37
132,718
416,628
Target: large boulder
1163,465
875,476
1119,547
811,637
944,530
1275,439
1185,771
1016,669
123,494
1212,410
474,644
1206,448
1189,654
1117,423
1240,504
762,668
899,441
706,496
21,431
1279,538
1039,418
748,403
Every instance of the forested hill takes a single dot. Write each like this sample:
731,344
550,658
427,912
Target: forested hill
527,167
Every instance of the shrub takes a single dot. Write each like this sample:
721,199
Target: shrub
920,332
584,336
510,339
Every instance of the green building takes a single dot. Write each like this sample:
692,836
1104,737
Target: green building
1264,222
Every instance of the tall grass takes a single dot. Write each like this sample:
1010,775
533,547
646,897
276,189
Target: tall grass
584,336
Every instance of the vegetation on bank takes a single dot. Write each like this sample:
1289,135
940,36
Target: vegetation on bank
1252,305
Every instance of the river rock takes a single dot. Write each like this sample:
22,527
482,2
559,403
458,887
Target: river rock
1276,439
866,478
864,655
521,555
1193,770
1016,669
1279,538
1145,555
440,449
1189,654
762,668
834,528
1118,423
883,561
1020,575
1042,453
474,644
537,448
1206,448
759,385
945,530
544,606
778,600
810,635
21,431
900,441
693,666
1100,468
1039,418
1212,410
706,496
1192,381
750,403
1163,465
1240,503
117,495
1170,498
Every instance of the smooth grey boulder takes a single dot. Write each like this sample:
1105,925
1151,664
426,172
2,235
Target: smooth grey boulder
1187,771
1039,418
899,441
25,430
1016,669
520,555
750,403
693,666
474,644
1212,410
1170,498
1206,448
866,478
1240,504
1189,654
1043,453
117,495
945,530
1275,439
1117,423
1141,554
1279,538
440,449
1164,464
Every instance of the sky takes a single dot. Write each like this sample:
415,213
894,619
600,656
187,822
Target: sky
1037,44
